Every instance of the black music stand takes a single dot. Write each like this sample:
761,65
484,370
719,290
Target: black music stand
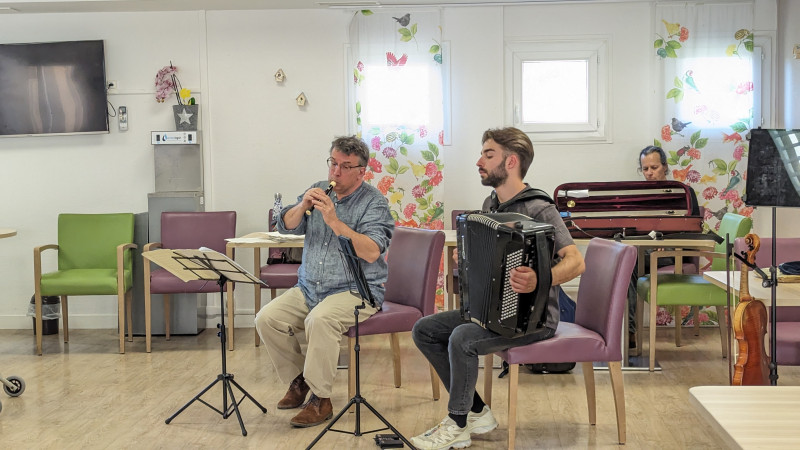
207,264
353,268
773,179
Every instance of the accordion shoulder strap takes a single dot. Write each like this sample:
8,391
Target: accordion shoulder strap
527,194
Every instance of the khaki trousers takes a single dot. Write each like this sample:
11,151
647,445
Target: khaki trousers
281,320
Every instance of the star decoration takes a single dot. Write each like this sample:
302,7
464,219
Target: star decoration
185,115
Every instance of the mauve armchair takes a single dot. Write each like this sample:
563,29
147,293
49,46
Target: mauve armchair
596,335
185,230
414,256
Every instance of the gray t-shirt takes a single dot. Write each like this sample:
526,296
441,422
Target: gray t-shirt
529,203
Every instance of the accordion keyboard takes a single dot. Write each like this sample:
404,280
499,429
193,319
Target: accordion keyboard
510,300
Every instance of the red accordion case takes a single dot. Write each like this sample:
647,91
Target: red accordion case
629,208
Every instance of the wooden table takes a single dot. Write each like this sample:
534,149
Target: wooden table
751,417
7,232
787,294
256,241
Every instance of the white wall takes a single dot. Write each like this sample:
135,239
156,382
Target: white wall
258,142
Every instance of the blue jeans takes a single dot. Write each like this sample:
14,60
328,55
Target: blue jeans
452,346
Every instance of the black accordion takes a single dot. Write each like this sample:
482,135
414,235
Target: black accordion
489,247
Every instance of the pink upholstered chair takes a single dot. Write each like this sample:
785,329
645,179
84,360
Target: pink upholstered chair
788,317
277,276
413,258
596,334
185,230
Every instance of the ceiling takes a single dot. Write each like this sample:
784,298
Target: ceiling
69,6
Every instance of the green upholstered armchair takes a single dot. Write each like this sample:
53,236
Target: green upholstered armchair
94,258
680,289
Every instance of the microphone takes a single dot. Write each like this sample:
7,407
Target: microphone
327,191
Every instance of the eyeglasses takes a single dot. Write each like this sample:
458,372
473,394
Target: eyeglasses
344,166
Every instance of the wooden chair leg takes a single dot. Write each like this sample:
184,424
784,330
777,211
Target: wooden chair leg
513,384
121,320
618,386
591,397
488,375
38,315
678,319
129,313
639,325
394,340
653,311
64,317
148,323
257,308
166,315
434,383
723,330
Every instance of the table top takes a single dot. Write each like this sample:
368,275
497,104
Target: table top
751,417
262,239
7,232
787,294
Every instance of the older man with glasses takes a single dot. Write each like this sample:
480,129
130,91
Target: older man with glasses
321,305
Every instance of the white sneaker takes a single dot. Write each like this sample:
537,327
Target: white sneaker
482,422
444,436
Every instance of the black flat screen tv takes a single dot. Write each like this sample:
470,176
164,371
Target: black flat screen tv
773,168
53,88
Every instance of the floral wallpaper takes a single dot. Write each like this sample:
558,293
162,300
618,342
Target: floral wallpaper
405,161
705,60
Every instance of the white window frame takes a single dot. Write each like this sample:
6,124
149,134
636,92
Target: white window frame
594,50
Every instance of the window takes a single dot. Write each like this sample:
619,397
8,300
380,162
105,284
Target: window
558,90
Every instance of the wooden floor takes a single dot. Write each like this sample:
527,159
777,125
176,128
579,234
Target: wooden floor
85,395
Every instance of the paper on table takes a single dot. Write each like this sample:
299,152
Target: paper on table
273,236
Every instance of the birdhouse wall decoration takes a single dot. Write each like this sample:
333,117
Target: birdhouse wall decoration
301,99
280,77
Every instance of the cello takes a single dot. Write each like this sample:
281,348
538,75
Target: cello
749,328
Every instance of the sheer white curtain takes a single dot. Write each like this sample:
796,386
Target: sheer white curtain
398,110
706,91
705,87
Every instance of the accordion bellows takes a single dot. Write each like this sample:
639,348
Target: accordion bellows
489,247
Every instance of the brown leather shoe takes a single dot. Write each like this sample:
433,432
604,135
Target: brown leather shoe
296,394
316,411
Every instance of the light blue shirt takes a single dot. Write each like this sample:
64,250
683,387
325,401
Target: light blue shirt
322,272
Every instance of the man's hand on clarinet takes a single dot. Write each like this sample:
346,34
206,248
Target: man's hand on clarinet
322,203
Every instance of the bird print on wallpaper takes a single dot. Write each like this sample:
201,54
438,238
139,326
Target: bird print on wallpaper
720,213
678,126
682,151
734,181
680,174
689,79
404,21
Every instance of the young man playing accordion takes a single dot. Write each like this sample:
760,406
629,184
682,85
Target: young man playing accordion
451,344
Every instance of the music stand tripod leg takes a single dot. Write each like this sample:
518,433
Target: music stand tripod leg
358,400
225,377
